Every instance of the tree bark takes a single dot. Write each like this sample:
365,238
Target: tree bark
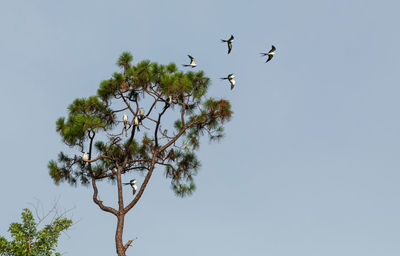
121,215
118,235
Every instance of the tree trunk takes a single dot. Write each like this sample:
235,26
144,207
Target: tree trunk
118,236
121,216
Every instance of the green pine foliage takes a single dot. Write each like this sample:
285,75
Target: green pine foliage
94,125
28,240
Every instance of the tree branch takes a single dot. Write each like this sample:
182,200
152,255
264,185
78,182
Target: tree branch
119,186
126,246
127,104
99,202
95,190
119,110
152,166
178,135
158,124
143,187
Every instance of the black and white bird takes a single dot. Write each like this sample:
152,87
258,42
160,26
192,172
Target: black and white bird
85,156
136,122
231,80
191,64
141,115
168,102
133,185
229,42
270,54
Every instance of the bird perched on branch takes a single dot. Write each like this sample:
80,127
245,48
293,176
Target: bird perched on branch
133,185
231,80
168,102
137,123
141,115
85,156
229,42
125,119
270,54
191,64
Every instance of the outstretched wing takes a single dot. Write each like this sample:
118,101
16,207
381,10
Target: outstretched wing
269,58
229,47
272,49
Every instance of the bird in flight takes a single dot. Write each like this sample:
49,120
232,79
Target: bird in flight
270,54
133,185
192,63
229,42
231,80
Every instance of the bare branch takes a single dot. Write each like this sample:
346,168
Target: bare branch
119,110
126,246
99,202
95,190
143,186
127,104
158,124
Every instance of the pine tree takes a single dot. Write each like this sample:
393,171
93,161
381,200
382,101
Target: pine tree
156,97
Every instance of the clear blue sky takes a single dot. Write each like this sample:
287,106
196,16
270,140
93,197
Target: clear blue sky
310,162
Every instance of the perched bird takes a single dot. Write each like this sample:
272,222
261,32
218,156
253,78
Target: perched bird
133,185
85,156
231,80
270,54
229,42
141,115
125,118
168,102
191,64
137,123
